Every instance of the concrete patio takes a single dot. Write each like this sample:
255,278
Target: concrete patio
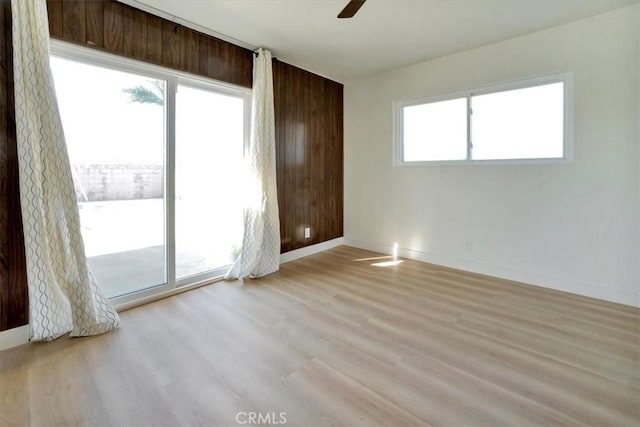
124,242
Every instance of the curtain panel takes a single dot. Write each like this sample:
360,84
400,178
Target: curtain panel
63,293
260,254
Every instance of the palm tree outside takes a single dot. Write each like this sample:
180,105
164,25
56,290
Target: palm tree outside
146,95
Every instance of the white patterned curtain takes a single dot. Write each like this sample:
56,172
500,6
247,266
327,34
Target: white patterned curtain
260,253
63,294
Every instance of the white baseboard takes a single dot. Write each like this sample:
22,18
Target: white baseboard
578,287
310,250
14,337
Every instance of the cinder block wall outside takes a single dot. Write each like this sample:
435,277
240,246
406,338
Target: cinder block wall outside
118,182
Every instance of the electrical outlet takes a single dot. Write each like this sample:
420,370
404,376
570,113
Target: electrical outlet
307,232
468,244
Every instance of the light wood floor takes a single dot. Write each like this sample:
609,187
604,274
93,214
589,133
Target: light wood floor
333,340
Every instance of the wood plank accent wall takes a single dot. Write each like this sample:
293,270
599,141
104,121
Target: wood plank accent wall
123,30
13,280
308,123
309,155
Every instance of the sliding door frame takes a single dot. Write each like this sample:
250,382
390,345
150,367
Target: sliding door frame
173,79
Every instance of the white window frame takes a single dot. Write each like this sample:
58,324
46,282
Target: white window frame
567,157
174,78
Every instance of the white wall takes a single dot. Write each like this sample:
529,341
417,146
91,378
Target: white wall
573,227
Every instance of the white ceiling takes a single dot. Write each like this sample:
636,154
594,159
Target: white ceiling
384,34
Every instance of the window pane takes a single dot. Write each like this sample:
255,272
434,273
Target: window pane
114,128
519,124
209,156
435,131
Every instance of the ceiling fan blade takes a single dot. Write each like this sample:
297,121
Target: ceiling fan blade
351,8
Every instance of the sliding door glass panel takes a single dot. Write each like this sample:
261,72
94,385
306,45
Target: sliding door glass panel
209,156
114,127
435,131
519,124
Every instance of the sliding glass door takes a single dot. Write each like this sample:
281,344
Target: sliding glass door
209,156
116,144
156,158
